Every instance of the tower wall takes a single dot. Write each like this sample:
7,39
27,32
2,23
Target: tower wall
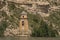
24,24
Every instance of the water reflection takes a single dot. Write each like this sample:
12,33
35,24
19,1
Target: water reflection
24,38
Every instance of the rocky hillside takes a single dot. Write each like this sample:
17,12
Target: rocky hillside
41,16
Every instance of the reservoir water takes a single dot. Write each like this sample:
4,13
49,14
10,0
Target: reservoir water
29,38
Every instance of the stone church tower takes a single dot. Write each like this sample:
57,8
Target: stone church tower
23,24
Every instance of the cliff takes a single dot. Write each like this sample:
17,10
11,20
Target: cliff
48,11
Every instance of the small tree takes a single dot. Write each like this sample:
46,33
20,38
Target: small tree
3,26
44,30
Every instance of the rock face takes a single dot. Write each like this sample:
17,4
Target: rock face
17,1
11,31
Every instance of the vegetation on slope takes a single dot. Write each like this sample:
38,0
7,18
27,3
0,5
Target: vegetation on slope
3,22
54,18
40,28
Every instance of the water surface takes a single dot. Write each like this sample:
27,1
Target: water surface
29,38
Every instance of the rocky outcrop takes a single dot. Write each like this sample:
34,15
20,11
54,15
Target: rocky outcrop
11,31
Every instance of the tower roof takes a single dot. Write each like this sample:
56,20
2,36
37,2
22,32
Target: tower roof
24,13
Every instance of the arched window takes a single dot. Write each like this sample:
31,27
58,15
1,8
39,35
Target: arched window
23,16
22,23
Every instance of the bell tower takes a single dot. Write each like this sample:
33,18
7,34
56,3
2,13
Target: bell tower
23,24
